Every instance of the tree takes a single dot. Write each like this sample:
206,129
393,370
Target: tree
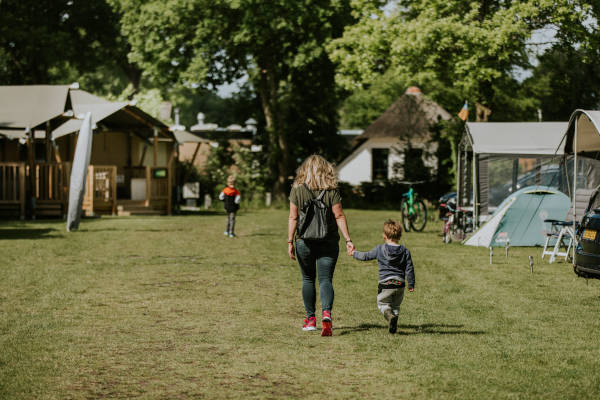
62,41
279,45
457,49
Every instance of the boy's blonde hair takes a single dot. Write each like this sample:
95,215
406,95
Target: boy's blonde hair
317,173
392,230
231,180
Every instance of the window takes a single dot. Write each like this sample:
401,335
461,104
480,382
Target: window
379,164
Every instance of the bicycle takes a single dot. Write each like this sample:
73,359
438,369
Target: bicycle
413,210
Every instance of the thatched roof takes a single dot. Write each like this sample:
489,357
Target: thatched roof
412,116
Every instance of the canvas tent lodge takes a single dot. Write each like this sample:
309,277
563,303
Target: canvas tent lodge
132,162
496,159
405,127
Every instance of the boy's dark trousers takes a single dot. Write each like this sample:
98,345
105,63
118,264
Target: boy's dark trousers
230,222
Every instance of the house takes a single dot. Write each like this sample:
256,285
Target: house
194,146
132,161
406,128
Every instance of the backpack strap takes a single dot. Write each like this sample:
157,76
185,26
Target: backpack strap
319,197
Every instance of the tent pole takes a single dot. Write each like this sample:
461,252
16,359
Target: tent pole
475,192
458,178
575,189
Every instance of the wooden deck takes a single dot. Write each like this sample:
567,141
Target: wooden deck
44,190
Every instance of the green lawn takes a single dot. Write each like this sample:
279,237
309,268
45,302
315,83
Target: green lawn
167,307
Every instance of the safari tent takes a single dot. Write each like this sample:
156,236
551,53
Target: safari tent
582,143
132,158
519,219
496,159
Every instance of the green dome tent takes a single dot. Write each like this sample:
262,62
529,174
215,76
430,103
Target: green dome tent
519,219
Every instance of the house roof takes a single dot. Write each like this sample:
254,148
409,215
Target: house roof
183,136
411,116
29,106
526,138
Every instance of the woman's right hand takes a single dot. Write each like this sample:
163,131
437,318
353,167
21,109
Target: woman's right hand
291,251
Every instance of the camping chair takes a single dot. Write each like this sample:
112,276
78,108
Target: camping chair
562,231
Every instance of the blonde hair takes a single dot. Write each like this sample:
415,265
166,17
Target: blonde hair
231,180
392,229
317,173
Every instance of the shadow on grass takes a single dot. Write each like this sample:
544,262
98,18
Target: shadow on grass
422,329
42,233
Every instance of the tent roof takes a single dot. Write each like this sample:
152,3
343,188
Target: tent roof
532,138
411,116
588,128
31,105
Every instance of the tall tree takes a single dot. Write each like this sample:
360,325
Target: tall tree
278,44
459,49
49,41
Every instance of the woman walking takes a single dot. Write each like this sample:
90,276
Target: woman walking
316,180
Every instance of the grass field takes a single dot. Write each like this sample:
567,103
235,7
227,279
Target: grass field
167,307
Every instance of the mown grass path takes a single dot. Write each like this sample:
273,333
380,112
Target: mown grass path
169,308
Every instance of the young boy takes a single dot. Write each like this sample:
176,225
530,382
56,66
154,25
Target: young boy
395,271
231,197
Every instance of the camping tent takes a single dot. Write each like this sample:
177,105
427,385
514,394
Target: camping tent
519,219
496,159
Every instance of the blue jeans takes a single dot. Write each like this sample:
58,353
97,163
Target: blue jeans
317,257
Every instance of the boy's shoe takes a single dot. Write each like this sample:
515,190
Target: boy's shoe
226,233
310,324
394,324
231,235
326,329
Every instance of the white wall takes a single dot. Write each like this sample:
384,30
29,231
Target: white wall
356,168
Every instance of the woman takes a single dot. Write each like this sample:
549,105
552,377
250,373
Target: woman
317,256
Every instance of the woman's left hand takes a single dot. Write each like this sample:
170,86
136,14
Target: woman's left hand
291,251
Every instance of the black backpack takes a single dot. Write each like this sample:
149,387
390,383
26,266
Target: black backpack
314,217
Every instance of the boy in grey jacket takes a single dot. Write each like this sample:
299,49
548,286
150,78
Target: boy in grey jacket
396,270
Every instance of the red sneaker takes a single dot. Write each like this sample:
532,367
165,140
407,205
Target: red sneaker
310,324
326,324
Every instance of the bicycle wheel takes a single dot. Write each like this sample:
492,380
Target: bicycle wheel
419,218
405,215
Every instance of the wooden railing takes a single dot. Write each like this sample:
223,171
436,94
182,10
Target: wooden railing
12,185
51,181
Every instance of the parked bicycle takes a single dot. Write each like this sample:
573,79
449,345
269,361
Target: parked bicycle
457,222
414,212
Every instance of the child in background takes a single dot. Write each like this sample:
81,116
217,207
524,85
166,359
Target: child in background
231,197
395,271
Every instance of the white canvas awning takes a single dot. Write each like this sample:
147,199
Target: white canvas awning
517,138
84,102
31,105
587,124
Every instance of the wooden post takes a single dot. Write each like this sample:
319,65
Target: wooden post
113,189
155,159
148,180
22,195
48,142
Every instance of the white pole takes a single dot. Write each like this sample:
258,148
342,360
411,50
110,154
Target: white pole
575,188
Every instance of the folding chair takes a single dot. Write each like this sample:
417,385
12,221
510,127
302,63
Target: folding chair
562,231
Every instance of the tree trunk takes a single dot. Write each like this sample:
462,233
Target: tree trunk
278,144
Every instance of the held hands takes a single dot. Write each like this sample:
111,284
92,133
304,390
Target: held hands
412,289
350,247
